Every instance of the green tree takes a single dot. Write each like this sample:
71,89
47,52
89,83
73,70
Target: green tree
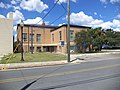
82,40
113,37
95,38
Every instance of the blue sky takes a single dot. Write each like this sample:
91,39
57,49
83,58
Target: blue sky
94,13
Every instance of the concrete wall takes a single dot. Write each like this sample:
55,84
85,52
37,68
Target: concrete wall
6,35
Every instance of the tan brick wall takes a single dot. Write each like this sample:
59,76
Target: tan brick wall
46,37
57,40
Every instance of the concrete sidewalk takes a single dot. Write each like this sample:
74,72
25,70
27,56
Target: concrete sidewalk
51,63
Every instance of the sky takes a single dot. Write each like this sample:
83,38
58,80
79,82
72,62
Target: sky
93,13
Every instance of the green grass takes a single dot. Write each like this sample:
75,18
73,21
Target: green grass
36,57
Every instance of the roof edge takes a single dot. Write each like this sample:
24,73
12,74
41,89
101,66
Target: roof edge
37,25
71,25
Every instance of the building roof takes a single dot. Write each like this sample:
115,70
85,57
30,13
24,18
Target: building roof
71,25
37,25
53,28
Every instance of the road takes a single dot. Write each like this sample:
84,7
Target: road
97,73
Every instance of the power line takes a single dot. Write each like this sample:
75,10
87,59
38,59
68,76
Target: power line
62,5
60,15
48,12
51,10
57,18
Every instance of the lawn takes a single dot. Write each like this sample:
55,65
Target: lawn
36,57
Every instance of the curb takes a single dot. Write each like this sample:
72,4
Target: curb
95,54
30,64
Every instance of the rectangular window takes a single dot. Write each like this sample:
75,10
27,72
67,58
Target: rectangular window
71,35
31,49
24,37
60,35
53,37
38,38
38,49
31,37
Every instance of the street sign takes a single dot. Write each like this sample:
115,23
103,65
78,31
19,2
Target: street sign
62,43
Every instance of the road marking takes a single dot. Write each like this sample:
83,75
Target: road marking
57,74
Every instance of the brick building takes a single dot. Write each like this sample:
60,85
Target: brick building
47,38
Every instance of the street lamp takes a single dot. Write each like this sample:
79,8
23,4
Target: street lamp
22,25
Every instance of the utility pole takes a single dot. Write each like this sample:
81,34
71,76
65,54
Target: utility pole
28,39
32,40
22,25
68,32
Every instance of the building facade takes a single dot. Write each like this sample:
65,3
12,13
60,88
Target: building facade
6,35
44,38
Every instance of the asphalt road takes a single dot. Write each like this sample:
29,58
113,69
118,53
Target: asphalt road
97,73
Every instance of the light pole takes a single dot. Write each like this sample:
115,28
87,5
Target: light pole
68,32
22,25
32,40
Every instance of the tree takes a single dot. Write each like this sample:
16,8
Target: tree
95,38
92,39
82,40
113,37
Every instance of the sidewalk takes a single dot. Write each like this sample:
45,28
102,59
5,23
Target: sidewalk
50,63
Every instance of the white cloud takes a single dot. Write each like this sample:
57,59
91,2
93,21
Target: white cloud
115,1
100,16
111,1
116,23
8,6
16,8
105,6
33,5
61,24
45,12
117,29
2,5
104,1
37,20
95,13
13,2
82,19
17,17
34,21
118,16
1,16
96,22
105,25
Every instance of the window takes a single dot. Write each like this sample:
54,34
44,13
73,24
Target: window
24,37
31,37
38,49
71,35
53,37
31,49
60,35
38,38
